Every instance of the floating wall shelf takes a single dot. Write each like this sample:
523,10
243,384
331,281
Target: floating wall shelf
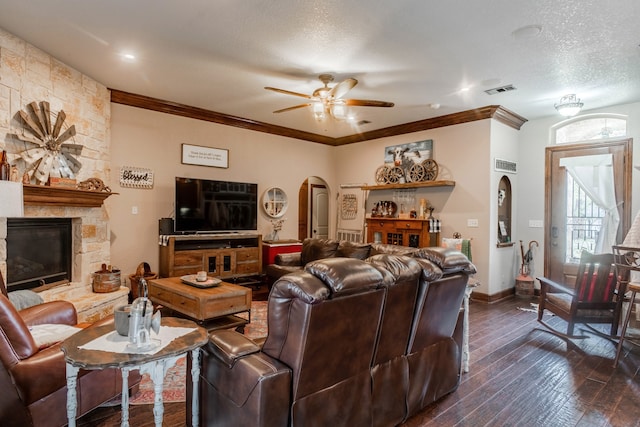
421,184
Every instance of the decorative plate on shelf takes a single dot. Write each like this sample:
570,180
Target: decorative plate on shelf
190,279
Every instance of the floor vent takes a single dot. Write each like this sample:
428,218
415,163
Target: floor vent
506,166
495,90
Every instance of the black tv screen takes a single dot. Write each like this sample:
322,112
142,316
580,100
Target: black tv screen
215,206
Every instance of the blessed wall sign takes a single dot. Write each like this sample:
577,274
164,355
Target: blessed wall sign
134,177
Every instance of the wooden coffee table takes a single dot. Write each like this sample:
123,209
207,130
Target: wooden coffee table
213,308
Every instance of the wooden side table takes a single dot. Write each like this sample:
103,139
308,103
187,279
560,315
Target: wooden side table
156,365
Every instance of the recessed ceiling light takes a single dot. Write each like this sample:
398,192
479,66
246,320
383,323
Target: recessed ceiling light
527,32
126,56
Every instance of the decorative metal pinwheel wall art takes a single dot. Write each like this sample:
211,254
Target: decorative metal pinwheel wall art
46,152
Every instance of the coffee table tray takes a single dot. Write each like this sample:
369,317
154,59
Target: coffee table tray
191,281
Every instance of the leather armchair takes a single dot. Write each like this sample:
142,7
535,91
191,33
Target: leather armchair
33,380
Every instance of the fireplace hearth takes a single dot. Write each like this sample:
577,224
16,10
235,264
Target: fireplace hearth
39,251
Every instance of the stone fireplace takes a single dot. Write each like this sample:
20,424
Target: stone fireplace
39,252
89,249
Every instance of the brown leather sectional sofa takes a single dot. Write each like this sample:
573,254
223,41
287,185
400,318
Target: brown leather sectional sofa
350,343
315,249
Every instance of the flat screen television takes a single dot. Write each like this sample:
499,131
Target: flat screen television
203,206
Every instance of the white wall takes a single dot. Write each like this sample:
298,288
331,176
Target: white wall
503,260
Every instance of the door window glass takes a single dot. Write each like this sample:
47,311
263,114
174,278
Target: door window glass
590,129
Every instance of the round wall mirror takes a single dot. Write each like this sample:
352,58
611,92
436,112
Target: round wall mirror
275,202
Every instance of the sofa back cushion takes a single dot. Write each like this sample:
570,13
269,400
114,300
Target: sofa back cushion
400,301
323,324
353,250
449,260
383,248
315,249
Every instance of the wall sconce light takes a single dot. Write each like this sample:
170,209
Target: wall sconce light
569,105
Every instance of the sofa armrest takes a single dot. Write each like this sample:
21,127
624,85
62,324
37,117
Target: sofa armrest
228,346
58,312
292,259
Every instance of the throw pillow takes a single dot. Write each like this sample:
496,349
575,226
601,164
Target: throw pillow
24,299
47,334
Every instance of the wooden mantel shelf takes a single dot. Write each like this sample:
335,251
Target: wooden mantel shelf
421,184
42,195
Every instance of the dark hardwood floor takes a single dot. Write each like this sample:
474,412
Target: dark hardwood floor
519,376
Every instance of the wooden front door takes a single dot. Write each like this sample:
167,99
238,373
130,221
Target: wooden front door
567,218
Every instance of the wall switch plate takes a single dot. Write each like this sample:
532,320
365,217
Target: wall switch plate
536,223
134,210
472,222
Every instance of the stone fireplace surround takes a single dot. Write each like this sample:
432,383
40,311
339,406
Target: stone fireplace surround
90,249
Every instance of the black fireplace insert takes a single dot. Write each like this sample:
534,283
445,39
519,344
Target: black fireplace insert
38,251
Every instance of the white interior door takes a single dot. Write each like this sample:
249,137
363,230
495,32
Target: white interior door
319,211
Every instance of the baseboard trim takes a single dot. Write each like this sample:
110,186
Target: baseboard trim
490,299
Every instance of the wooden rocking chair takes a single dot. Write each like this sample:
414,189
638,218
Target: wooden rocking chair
594,299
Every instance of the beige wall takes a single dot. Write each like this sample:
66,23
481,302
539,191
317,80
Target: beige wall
463,155
152,140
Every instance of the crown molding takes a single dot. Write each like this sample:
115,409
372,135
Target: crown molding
496,112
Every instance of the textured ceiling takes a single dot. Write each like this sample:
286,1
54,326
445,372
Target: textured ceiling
219,55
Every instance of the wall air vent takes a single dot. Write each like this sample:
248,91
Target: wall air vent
506,166
500,89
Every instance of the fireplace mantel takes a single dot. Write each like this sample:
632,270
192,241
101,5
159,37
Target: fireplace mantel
41,195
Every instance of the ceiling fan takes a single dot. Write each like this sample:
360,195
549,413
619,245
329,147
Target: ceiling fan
329,100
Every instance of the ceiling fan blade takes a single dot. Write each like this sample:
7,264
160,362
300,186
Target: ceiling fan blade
295,107
288,92
342,88
367,103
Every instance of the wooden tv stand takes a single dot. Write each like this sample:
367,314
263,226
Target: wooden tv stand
221,255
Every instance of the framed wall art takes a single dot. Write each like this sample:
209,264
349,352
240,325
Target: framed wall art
421,150
205,156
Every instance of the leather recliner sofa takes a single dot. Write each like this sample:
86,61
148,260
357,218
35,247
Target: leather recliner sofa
350,342
314,249
33,379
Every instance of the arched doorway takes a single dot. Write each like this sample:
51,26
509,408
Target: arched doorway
313,208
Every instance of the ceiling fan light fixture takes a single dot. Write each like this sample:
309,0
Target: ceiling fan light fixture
569,105
339,110
318,110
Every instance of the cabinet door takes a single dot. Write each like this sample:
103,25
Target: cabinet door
221,262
